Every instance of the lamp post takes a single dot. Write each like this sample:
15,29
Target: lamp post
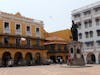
22,40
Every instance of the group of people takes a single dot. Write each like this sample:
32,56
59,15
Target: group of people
9,63
59,60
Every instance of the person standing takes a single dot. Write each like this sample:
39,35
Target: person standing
69,60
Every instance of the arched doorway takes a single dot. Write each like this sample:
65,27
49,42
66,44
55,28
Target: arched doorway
37,58
71,50
18,59
91,59
28,58
78,51
5,58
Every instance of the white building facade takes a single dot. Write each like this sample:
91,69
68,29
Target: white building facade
88,20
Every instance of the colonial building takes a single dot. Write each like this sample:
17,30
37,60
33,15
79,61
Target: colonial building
21,39
88,20
56,44
25,42
57,49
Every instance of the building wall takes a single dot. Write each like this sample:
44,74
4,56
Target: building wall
23,51
85,17
65,34
24,22
11,33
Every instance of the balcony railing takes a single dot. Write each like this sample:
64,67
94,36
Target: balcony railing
6,30
2,45
18,32
57,51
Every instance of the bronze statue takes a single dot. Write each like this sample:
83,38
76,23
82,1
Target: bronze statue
74,31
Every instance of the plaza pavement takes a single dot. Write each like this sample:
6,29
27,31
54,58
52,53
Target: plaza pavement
56,69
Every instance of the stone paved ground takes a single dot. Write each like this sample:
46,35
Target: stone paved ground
52,70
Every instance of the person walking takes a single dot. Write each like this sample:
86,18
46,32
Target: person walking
69,60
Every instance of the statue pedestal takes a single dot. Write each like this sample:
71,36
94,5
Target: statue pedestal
77,62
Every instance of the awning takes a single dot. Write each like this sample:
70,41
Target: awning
88,42
98,30
98,41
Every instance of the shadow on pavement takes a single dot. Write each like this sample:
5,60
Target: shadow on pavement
67,66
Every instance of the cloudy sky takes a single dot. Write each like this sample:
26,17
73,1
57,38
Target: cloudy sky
56,14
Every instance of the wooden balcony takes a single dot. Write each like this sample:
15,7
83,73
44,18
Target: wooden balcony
34,47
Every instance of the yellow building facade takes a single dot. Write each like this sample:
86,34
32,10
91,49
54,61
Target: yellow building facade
21,39
64,34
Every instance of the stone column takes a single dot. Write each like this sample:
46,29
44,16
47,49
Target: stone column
96,55
0,62
85,55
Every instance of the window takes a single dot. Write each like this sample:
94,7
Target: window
77,15
97,21
52,47
87,44
37,30
79,25
17,26
28,42
28,29
38,42
90,23
98,32
91,33
6,40
90,44
80,35
17,41
18,29
97,9
6,25
78,51
86,34
86,13
86,24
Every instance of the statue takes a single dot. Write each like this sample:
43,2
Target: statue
74,31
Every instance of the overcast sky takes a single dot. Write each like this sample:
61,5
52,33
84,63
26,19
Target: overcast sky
56,14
